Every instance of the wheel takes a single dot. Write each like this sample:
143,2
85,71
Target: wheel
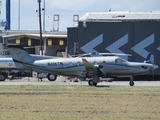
95,84
91,83
3,76
51,77
131,83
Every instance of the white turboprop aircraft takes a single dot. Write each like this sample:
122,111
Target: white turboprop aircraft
83,67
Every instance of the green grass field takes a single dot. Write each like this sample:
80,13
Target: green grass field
35,102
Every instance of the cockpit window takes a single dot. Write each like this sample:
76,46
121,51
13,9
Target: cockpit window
120,61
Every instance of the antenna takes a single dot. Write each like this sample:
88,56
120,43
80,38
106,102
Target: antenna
75,20
56,22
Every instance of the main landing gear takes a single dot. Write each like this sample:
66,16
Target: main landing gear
52,77
92,83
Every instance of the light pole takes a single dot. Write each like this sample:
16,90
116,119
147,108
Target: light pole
40,26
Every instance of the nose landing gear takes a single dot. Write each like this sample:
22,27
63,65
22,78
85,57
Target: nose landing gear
131,83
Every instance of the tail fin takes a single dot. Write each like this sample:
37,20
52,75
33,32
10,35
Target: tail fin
147,60
20,56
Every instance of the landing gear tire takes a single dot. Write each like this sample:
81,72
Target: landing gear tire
131,83
51,77
92,83
3,76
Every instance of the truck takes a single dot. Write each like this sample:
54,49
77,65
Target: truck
8,68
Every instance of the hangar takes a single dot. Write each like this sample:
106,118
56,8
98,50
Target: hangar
135,33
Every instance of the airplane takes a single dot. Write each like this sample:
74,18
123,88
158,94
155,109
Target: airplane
81,67
96,54
7,62
8,67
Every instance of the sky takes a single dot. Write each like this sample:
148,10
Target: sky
29,19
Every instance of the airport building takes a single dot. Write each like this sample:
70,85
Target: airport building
53,43
136,33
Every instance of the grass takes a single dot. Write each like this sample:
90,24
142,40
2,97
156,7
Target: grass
42,102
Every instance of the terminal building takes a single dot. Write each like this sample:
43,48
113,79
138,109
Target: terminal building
135,33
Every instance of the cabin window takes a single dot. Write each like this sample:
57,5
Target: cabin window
78,63
94,62
70,63
104,62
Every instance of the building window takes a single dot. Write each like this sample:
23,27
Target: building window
29,42
17,41
49,42
61,42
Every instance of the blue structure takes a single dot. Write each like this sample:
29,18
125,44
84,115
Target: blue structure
8,21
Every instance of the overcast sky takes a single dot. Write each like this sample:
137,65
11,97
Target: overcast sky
66,9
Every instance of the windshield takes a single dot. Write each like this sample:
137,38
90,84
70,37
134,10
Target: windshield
120,61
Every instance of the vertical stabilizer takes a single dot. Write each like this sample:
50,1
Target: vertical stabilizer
19,55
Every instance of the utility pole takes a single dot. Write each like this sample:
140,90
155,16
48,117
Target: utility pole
40,27
44,15
19,16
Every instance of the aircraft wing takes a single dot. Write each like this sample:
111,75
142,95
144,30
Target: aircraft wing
87,64
91,70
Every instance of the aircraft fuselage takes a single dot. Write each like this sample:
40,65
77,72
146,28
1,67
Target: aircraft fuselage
112,65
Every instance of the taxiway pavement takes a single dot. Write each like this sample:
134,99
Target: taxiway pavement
64,81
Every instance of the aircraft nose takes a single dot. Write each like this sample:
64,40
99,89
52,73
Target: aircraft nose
154,66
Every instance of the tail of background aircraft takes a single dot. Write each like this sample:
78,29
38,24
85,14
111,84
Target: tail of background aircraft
147,60
20,56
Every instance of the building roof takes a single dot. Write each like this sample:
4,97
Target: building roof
34,35
13,32
120,16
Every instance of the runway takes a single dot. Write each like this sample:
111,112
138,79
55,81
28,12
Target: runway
64,81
